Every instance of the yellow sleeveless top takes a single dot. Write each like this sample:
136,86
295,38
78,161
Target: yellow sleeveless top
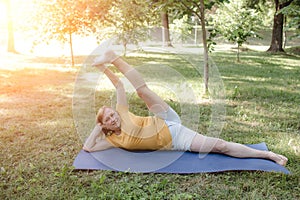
141,133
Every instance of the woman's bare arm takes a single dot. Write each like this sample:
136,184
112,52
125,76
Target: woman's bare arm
96,140
121,94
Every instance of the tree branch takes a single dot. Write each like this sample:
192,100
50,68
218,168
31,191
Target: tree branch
285,4
191,10
197,5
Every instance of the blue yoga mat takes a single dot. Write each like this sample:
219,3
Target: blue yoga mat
179,162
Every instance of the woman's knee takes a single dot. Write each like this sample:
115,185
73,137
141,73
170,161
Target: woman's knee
220,146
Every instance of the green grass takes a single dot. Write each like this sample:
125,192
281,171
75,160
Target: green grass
38,139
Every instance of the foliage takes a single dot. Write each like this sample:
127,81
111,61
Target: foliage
254,4
192,9
181,28
236,23
187,9
129,21
126,20
56,19
293,22
180,8
278,20
60,19
264,8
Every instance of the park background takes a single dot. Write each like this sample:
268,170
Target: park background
38,138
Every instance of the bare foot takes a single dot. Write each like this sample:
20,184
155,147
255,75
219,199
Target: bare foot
108,57
279,159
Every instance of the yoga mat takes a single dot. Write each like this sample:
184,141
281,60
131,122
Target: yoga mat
179,162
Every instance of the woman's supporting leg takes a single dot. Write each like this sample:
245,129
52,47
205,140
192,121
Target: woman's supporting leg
204,144
152,100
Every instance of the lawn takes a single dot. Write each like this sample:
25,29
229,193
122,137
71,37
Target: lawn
39,141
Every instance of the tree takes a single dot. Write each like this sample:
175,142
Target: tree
293,22
61,19
236,23
166,29
10,28
194,8
131,20
205,53
198,8
278,20
277,32
163,7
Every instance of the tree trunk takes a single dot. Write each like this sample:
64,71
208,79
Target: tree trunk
71,48
205,53
238,53
10,29
284,33
277,33
165,29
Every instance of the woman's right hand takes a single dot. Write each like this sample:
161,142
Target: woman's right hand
102,126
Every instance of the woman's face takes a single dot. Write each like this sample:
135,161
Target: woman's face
111,119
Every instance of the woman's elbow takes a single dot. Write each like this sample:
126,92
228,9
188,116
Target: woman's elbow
87,149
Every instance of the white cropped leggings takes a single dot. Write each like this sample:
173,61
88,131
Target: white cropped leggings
182,136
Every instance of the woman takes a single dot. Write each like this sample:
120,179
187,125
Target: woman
120,128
